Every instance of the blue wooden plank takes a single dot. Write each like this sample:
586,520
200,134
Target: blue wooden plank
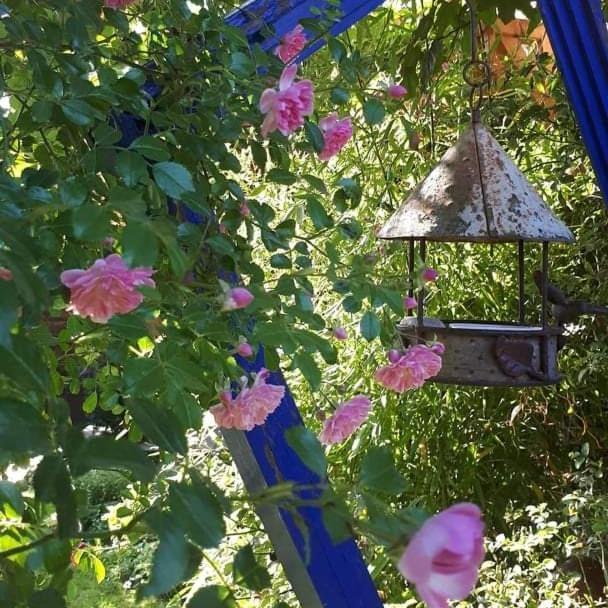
337,571
265,21
578,34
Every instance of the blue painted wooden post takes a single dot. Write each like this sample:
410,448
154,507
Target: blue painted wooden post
578,34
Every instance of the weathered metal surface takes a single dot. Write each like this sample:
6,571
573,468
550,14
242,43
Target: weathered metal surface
475,193
475,352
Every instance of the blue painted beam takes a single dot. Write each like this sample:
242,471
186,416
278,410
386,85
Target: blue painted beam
265,21
337,571
578,34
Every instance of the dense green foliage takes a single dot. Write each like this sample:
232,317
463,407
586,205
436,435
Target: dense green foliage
310,256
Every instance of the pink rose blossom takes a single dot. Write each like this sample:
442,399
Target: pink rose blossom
396,91
394,355
244,209
291,44
116,4
286,108
340,333
336,133
411,370
251,407
409,303
237,297
443,557
429,275
105,289
438,348
346,420
5,274
244,349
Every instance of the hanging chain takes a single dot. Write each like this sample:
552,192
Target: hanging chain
476,73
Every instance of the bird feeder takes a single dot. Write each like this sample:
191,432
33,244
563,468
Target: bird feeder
476,194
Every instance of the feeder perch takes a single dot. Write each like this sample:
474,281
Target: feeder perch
477,194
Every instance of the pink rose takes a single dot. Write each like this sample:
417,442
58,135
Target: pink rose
286,108
237,297
409,303
336,133
340,333
438,348
396,91
443,557
291,44
244,349
411,370
5,274
244,209
251,407
429,275
346,420
116,4
107,288
394,355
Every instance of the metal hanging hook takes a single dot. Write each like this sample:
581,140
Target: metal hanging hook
476,73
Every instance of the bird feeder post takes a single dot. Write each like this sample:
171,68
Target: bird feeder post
521,262
545,306
421,293
411,266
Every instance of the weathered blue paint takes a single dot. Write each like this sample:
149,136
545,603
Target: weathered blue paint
338,571
265,21
578,34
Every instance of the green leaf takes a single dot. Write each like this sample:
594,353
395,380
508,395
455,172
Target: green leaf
131,167
247,572
139,244
378,472
52,483
107,453
318,214
310,451
337,49
171,559
47,598
22,362
90,403
131,326
280,260
9,303
280,176
370,326
78,112
339,95
198,511
73,191
213,596
373,110
310,370
143,376
10,494
151,147
159,425
23,430
91,222
241,64
258,153
173,179
314,136
316,183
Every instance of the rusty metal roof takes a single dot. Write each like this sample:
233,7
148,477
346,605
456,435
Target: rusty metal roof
475,193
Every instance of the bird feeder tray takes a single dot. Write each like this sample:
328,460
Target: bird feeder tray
489,354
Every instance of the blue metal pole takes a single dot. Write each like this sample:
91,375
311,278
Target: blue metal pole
579,37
